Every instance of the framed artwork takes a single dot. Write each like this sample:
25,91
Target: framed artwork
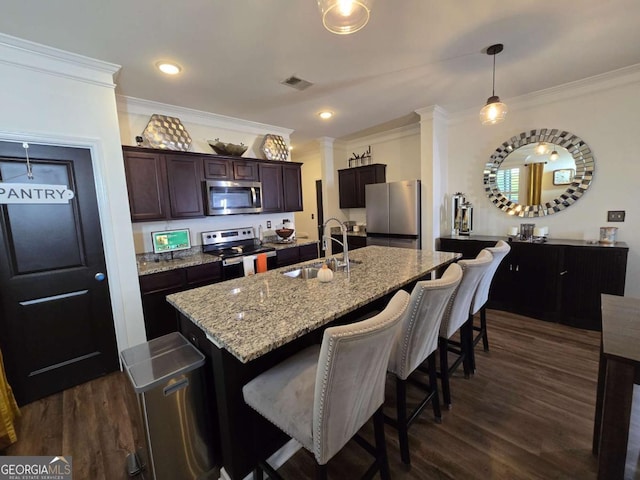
564,176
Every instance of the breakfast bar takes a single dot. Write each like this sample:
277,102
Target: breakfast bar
245,326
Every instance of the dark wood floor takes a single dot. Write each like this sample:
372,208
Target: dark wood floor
526,414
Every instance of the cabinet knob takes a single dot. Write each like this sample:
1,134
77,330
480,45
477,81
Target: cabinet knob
564,273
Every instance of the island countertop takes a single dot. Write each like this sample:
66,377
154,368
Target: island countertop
251,316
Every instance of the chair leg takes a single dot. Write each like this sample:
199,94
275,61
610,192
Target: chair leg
257,474
321,472
433,385
381,446
403,427
465,351
483,326
443,346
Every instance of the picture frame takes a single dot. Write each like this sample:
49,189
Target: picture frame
563,176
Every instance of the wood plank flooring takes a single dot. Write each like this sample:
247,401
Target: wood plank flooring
526,414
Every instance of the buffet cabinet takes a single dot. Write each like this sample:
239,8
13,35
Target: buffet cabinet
559,280
168,185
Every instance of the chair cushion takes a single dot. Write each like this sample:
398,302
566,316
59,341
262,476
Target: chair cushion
284,395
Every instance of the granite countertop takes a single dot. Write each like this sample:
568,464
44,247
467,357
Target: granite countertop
148,265
548,241
251,316
350,233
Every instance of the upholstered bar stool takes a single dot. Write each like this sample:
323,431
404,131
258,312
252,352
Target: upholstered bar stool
324,394
499,251
415,343
458,317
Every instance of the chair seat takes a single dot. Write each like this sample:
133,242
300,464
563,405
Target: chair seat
284,395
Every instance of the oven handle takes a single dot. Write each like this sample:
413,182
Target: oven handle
231,261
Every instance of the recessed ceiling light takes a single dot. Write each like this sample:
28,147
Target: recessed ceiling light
325,115
169,68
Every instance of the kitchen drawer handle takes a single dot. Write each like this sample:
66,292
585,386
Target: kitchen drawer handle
179,385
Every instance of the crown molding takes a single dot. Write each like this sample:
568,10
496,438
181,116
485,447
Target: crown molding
388,136
52,61
577,88
132,105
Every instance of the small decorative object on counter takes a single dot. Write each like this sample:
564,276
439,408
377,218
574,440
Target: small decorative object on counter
363,159
139,140
608,235
166,133
274,147
227,148
325,274
526,230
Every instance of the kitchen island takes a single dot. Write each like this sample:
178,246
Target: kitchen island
247,325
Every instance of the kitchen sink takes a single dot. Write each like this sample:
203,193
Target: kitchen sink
305,273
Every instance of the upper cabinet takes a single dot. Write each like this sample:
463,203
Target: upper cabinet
165,185
351,183
281,186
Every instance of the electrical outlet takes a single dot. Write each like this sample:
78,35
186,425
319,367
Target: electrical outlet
615,216
268,223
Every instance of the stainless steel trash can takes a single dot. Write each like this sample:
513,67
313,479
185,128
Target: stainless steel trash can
166,376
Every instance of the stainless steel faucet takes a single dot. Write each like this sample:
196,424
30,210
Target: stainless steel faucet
344,243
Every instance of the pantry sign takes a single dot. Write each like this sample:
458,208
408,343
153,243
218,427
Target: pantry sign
34,193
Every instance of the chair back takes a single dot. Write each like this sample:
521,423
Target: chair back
459,308
417,336
499,251
350,378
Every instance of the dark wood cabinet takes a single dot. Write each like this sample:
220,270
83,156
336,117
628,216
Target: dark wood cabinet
147,186
560,280
297,254
271,178
292,187
184,178
159,316
281,187
352,181
166,185
353,242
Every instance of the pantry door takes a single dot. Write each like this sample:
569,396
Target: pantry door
56,324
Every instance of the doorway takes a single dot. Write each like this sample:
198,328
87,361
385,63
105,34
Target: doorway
56,322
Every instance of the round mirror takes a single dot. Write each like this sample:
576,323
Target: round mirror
539,172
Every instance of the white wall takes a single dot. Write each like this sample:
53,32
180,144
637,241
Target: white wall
605,115
133,116
52,97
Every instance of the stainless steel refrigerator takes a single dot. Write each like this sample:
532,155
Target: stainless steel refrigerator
393,214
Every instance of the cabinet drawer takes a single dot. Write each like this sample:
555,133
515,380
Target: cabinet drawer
217,169
157,282
288,256
308,252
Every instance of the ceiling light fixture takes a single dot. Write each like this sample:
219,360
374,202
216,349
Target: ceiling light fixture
554,156
541,148
494,111
169,68
344,16
325,115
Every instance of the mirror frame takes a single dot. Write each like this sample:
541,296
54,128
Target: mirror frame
579,150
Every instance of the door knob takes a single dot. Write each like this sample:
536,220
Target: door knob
100,276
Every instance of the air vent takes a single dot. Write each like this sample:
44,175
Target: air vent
297,83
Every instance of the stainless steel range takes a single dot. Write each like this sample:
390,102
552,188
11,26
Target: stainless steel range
232,246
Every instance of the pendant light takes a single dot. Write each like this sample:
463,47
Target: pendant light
494,111
344,16
554,155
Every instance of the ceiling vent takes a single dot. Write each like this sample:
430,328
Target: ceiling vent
297,83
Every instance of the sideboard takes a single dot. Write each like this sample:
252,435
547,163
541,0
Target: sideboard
558,280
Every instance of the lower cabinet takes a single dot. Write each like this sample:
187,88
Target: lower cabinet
353,242
292,255
560,280
159,316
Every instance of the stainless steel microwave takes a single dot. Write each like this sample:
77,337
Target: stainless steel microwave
229,197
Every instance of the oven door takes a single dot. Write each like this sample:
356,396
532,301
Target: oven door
233,197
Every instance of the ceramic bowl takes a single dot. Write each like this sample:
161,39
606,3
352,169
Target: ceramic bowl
284,232
227,148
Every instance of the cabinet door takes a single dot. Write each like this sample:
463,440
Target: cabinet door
271,179
347,188
355,242
288,256
184,176
538,274
147,186
591,271
308,252
159,316
218,169
366,176
243,170
204,274
292,188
